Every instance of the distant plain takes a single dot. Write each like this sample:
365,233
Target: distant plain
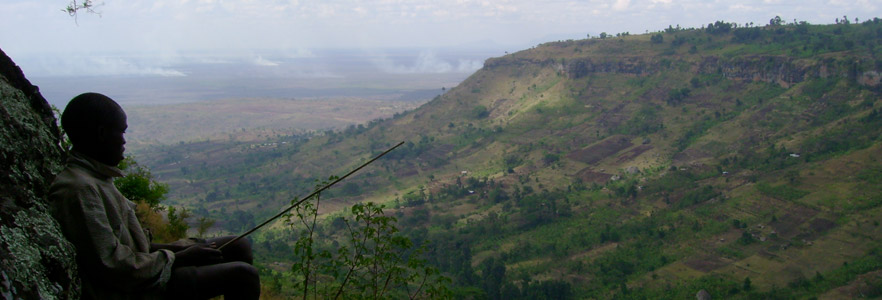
195,97
251,118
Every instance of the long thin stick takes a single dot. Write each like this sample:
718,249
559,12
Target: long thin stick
307,197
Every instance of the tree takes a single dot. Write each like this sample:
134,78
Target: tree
657,39
138,184
369,259
177,222
511,161
480,112
719,27
675,96
493,275
203,224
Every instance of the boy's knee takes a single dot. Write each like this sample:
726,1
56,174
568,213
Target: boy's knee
244,269
248,275
239,250
248,284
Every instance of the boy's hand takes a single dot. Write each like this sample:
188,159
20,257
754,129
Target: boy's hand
198,255
170,247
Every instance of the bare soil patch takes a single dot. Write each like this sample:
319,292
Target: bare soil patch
613,117
633,153
406,170
707,263
581,135
787,226
817,228
589,175
820,225
500,107
689,155
601,150
438,152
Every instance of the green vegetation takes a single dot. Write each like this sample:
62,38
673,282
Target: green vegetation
781,192
362,256
140,186
736,159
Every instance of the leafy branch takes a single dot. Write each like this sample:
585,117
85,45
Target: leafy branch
368,258
74,7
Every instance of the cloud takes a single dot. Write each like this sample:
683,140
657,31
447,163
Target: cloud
299,53
468,66
120,66
260,61
426,63
210,60
98,66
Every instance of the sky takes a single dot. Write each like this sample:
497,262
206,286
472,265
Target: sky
38,32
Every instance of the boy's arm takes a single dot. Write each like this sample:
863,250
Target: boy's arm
84,216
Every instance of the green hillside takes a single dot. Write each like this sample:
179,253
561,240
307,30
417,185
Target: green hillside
738,160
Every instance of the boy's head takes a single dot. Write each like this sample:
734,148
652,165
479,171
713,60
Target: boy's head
96,126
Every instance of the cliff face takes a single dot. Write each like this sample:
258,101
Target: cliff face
36,262
782,70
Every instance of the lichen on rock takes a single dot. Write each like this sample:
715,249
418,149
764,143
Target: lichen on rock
36,262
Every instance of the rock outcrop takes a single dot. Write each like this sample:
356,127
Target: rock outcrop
578,68
36,261
783,70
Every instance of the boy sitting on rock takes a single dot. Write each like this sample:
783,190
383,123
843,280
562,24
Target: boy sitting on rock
114,256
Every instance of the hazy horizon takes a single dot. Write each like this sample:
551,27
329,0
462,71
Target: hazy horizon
389,74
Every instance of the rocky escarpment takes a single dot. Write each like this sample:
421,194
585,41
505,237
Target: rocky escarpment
578,68
782,70
36,262
787,71
497,62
